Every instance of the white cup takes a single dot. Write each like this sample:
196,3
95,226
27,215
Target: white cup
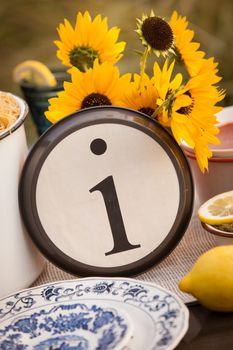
20,261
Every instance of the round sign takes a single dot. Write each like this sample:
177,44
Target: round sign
106,191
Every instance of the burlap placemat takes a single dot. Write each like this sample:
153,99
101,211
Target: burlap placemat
168,272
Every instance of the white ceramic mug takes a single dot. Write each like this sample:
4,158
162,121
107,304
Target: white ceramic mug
20,261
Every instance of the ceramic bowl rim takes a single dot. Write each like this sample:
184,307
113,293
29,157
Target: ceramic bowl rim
212,159
20,120
215,231
226,153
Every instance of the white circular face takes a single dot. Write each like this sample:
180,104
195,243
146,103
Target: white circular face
107,195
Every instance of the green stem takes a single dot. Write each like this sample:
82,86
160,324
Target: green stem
143,64
158,109
167,103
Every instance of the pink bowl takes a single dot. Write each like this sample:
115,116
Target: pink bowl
225,124
218,179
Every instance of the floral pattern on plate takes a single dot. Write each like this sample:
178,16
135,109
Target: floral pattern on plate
160,319
67,326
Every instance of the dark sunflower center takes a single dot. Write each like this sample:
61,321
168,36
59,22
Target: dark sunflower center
187,109
147,110
157,33
83,57
95,99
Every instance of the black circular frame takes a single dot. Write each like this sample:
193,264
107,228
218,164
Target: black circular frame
61,130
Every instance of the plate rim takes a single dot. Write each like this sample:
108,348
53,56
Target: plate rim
182,305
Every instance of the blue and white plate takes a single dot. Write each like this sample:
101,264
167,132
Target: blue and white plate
93,313
66,326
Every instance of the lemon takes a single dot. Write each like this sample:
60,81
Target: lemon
211,279
217,210
34,73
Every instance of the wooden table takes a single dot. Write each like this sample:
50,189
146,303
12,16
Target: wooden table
208,330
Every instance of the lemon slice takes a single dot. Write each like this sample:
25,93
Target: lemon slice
34,73
218,209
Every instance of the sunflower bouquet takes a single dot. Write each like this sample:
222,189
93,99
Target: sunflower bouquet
183,102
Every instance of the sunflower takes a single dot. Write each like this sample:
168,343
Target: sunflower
141,95
155,34
99,86
89,40
192,117
190,110
166,88
186,51
209,67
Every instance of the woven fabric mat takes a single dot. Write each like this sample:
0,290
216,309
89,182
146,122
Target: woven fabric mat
168,272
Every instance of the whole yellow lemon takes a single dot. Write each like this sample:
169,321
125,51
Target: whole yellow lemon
211,279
